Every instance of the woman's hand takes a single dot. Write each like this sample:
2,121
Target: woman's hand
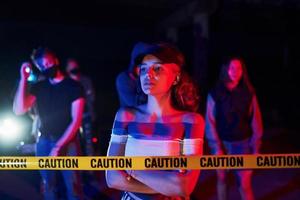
55,151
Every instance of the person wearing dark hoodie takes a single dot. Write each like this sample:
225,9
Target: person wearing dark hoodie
129,93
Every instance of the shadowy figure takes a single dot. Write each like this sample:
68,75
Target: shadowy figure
233,122
73,70
59,102
129,93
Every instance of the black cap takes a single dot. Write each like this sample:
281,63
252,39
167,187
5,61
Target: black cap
140,48
167,53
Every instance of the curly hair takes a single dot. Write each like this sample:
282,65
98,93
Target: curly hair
185,94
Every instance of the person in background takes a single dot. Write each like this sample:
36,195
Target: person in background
166,125
233,122
59,102
129,93
89,116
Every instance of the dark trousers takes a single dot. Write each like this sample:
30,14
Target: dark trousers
49,177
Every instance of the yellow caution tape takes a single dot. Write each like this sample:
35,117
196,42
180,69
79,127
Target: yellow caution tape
260,161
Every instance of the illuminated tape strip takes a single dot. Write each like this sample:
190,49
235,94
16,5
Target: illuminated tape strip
260,161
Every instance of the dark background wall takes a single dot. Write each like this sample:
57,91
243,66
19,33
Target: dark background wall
102,34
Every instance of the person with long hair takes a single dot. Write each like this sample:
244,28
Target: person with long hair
233,122
167,125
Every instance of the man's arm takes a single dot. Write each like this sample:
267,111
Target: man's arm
23,101
69,134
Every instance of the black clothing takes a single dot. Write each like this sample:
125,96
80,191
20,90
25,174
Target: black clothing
233,116
54,102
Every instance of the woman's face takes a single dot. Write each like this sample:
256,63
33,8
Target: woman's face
235,71
156,77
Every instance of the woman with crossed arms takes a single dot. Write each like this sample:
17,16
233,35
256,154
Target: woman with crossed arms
167,125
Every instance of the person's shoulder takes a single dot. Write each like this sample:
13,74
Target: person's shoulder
72,83
122,76
39,84
70,80
126,114
85,78
211,97
192,118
